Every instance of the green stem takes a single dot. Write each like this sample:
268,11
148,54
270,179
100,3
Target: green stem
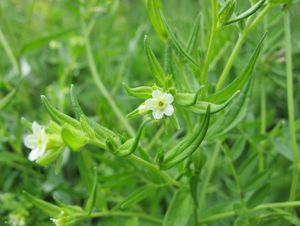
258,208
100,85
211,44
127,214
238,45
155,169
290,100
9,53
210,170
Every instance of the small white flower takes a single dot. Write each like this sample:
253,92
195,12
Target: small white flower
160,104
37,141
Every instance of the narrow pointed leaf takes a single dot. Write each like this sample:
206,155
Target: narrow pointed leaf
5,101
194,36
155,66
58,116
187,99
189,145
47,207
177,44
75,104
240,81
179,210
247,13
93,195
154,7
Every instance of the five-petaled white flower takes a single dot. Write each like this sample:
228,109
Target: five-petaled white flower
160,104
37,141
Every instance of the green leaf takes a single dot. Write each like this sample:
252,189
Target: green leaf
5,101
142,92
255,181
227,11
154,7
138,195
177,44
41,41
58,116
258,196
188,145
155,66
200,106
47,207
74,138
233,115
93,195
194,36
179,210
247,13
131,145
239,82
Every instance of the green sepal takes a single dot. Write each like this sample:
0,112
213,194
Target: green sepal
75,104
58,116
47,207
155,66
142,92
74,138
86,127
247,13
239,82
133,114
50,156
188,145
187,99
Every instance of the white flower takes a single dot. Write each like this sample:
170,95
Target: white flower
37,141
160,104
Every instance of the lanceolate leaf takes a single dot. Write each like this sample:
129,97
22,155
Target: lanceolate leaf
177,44
180,209
138,195
7,99
131,145
58,116
247,13
187,146
154,7
201,106
240,81
193,39
47,207
155,67
234,114
93,194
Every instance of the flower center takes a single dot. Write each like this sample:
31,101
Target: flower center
161,104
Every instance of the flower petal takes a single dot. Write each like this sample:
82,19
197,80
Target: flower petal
169,110
156,93
35,154
157,114
36,128
30,141
169,98
150,104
